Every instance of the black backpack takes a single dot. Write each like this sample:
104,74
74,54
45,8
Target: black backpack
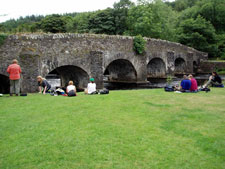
205,89
104,91
169,89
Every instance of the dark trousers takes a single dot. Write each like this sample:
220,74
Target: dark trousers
15,86
71,93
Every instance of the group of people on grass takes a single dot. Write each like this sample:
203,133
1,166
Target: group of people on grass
45,87
188,84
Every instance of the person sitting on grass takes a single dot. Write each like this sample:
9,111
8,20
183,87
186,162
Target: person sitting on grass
91,88
42,83
194,84
71,89
214,80
185,84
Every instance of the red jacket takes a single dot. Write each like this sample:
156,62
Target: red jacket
194,85
14,71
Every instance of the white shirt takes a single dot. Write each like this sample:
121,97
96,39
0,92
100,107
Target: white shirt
91,88
70,87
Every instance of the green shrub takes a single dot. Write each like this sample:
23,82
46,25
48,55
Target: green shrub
2,38
139,44
223,57
169,79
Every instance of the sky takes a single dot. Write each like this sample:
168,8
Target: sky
13,9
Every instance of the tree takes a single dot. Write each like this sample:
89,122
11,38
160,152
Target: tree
214,11
155,20
120,15
53,23
80,22
102,22
199,34
140,19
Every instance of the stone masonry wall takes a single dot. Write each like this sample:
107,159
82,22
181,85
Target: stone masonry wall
39,54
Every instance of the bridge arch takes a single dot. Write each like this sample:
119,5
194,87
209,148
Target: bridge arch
156,68
180,65
4,84
195,66
121,70
70,72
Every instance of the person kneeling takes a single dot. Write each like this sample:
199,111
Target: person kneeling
71,89
42,83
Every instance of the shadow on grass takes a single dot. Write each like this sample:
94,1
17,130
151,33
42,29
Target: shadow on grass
158,105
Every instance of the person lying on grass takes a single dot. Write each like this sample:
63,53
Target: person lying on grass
71,89
43,85
91,88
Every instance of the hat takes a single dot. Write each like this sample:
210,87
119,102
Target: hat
92,79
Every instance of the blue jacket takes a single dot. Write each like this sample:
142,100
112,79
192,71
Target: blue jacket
186,84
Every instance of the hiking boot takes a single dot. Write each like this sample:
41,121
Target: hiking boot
11,94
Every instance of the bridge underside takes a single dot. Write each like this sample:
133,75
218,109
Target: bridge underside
79,77
4,84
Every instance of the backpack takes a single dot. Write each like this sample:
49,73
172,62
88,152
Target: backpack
104,91
169,89
205,89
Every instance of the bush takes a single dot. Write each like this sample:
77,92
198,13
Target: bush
139,44
223,57
169,79
2,38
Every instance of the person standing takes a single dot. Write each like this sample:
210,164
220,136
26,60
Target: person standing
14,71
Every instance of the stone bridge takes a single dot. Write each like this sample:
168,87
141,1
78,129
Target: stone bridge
78,57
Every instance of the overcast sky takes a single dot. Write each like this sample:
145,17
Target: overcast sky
16,8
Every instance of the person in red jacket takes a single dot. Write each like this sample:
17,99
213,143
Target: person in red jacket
194,84
14,71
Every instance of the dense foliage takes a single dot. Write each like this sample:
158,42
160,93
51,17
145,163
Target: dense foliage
196,23
139,44
2,38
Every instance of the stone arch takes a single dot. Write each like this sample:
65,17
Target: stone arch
70,72
121,70
180,65
156,68
195,66
4,84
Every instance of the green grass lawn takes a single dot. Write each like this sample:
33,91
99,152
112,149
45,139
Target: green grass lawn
125,129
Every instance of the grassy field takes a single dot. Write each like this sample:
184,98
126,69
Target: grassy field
125,129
